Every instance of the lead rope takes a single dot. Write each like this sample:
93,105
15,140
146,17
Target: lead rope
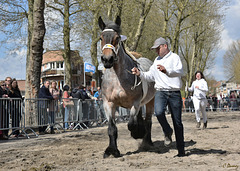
135,84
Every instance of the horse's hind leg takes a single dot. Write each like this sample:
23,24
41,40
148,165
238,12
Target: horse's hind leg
147,140
136,123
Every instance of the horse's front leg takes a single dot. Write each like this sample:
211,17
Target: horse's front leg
136,123
112,131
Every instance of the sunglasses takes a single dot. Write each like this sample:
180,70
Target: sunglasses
3,85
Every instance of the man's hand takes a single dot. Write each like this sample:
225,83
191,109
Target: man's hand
135,71
162,68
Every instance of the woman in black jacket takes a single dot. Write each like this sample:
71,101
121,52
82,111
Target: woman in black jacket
14,92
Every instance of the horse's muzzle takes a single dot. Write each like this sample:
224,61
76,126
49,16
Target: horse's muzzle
107,61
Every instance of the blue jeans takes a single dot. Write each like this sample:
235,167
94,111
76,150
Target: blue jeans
174,101
66,117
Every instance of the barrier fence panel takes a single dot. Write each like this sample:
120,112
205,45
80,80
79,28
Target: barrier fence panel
70,112
214,105
39,113
11,116
18,116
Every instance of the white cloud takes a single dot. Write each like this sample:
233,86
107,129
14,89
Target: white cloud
218,72
14,65
226,40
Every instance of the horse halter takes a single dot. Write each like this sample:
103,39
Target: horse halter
110,46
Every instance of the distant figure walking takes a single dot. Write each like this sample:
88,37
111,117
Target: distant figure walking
199,87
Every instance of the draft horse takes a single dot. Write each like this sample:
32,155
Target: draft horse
121,88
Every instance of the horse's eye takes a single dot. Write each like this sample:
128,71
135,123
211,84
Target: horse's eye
100,38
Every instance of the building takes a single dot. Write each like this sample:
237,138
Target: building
53,68
225,87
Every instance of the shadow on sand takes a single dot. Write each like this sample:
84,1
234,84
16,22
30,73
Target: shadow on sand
158,147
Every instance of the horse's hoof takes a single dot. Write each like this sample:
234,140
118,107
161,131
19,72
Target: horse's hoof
105,155
110,151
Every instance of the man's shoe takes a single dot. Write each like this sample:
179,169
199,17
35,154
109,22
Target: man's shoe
205,125
168,139
198,125
181,154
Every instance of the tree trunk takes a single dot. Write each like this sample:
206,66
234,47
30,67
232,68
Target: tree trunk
93,49
36,32
67,50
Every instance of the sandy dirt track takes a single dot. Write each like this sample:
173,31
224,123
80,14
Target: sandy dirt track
215,148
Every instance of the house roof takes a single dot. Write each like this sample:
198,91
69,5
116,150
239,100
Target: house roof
57,55
52,56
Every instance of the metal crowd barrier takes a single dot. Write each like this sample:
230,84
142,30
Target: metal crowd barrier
26,116
215,105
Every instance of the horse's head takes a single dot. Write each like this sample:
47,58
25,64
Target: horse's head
110,41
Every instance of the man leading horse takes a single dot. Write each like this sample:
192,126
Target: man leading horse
166,72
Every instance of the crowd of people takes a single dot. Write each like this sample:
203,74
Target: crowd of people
215,103
46,108
9,89
66,96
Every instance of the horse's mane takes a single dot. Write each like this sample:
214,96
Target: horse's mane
135,54
114,26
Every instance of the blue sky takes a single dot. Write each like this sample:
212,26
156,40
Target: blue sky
229,34
13,64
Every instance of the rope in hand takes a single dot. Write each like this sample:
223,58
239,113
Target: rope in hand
135,84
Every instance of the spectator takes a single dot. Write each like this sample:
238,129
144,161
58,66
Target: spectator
210,103
54,90
67,107
98,93
77,93
45,94
84,93
53,104
199,87
8,82
233,99
225,103
215,102
220,101
4,122
99,104
16,106
88,91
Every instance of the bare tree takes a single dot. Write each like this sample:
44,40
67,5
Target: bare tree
14,15
145,8
232,61
66,9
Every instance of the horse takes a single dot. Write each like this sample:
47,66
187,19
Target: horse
121,88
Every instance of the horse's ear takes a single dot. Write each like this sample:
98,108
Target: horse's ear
118,21
101,23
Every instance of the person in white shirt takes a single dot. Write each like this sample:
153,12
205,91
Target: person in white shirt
166,72
199,87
